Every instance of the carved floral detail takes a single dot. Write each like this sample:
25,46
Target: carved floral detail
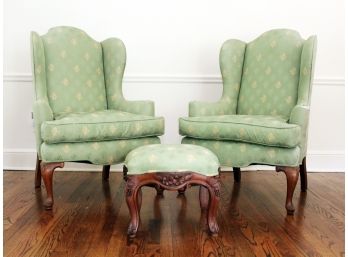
173,179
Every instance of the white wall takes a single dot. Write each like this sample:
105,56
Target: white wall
172,51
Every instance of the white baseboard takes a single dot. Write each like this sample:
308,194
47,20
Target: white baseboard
317,161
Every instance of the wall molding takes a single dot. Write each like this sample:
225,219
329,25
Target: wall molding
172,79
24,159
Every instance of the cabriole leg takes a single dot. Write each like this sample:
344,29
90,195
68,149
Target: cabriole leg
292,174
214,193
47,170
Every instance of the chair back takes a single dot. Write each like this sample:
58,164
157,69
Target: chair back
271,74
68,68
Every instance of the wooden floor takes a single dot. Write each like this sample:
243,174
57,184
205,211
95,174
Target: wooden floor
90,218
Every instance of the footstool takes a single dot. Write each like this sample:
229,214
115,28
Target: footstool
175,168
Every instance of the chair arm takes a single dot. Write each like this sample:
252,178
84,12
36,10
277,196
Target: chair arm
42,112
222,107
137,107
300,116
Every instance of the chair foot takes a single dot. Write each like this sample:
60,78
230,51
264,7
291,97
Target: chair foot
303,175
47,170
237,174
292,174
106,172
38,173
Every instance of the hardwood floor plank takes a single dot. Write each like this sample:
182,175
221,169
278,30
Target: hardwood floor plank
90,218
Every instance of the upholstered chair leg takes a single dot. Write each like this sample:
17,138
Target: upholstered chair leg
38,173
303,175
203,198
47,170
236,174
292,174
106,172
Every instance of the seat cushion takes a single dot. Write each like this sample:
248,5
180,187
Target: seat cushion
100,126
172,158
239,154
256,129
99,153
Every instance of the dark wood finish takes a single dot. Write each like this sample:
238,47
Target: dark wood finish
173,181
106,172
203,198
38,172
292,174
181,191
90,219
47,170
303,175
237,174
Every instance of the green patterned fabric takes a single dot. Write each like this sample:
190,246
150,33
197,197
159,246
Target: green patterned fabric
257,129
236,154
172,158
275,74
78,98
100,126
231,65
271,74
102,153
74,71
114,63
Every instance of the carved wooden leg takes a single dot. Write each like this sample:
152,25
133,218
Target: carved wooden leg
303,175
47,170
38,173
131,192
214,192
106,172
139,199
159,190
181,191
292,174
236,174
203,198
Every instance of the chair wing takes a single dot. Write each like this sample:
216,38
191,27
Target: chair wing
231,65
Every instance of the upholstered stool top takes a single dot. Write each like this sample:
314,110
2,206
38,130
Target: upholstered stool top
172,158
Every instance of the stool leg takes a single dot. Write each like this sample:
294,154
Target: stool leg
214,192
159,190
133,202
203,197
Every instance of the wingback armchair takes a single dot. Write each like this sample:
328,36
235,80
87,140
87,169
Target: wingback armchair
262,117
80,113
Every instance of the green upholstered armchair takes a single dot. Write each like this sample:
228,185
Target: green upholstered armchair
79,111
262,117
